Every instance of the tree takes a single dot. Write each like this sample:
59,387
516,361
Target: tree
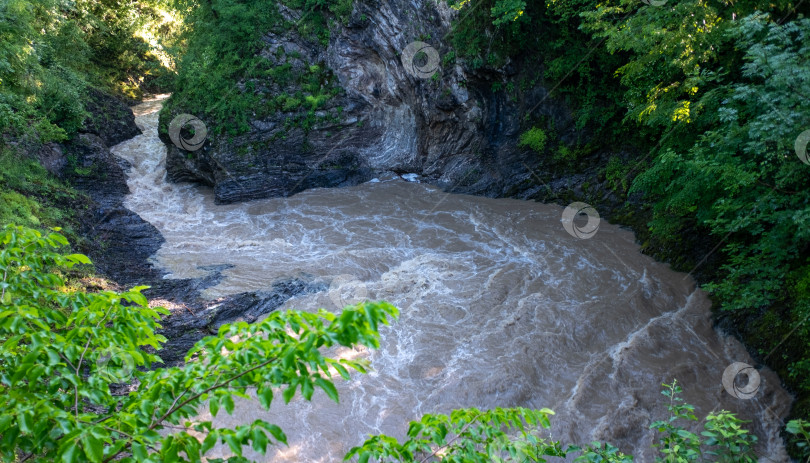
61,350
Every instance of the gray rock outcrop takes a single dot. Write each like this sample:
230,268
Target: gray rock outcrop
452,128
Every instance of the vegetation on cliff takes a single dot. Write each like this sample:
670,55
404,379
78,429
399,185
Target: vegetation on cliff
712,96
223,77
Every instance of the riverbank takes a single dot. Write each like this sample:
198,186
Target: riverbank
120,242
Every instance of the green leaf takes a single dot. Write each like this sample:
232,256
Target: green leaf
93,447
329,388
79,258
70,452
213,405
341,370
276,432
265,395
227,402
288,393
139,451
138,298
307,388
259,441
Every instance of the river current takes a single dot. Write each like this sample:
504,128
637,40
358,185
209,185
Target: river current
499,307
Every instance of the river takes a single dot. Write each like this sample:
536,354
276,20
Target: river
499,307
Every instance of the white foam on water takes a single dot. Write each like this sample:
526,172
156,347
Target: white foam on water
499,307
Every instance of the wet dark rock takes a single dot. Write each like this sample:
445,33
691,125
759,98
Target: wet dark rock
110,118
52,157
190,323
120,242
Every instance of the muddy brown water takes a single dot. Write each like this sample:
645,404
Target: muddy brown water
499,307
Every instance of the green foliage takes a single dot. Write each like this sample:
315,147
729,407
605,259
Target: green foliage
507,11
30,196
619,173
801,430
62,351
677,444
546,36
470,435
534,138
731,169
51,51
600,453
466,435
723,438
727,440
224,79
512,435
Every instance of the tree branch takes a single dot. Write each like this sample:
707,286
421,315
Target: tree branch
460,433
196,396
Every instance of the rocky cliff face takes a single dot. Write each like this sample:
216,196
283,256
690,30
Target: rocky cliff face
448,126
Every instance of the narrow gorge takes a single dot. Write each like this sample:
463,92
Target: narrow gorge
404,231
500,307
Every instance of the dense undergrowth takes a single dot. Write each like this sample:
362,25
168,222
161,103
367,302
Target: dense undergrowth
53,50
53,54
30,196
222,51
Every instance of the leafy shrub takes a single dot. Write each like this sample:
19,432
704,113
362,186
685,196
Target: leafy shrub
534,138
801,430
723,438
30,196
61,97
